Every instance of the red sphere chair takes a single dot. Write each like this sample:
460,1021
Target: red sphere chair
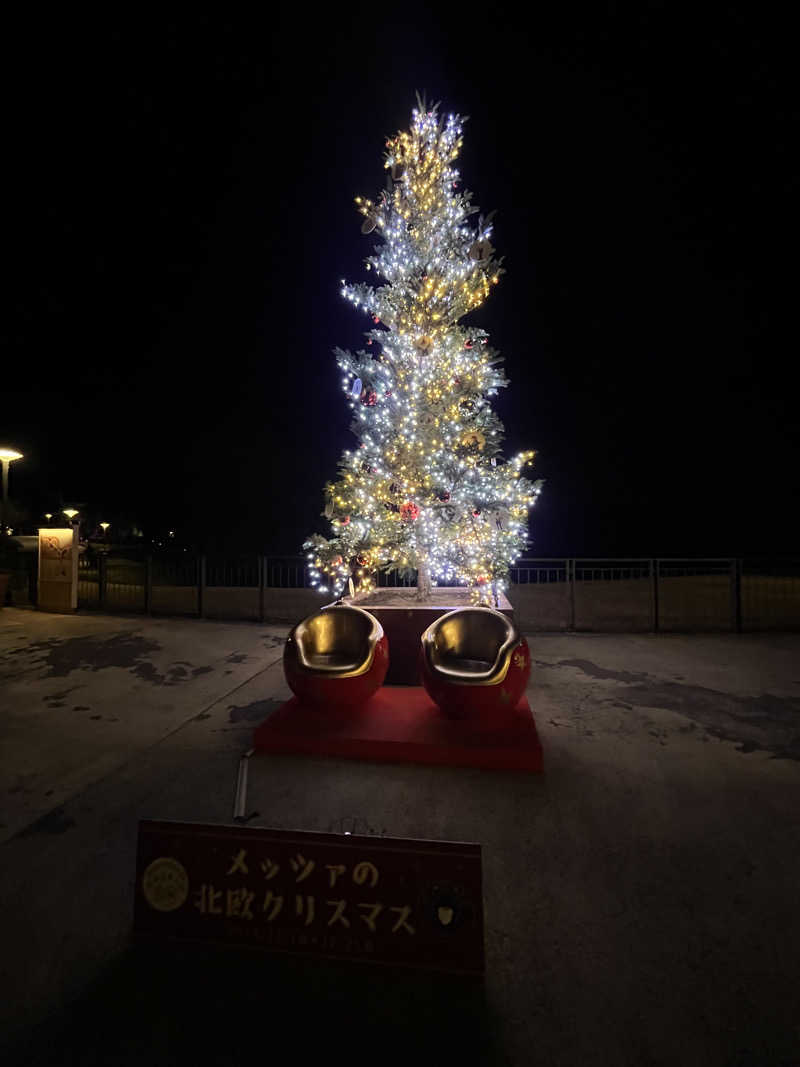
474,663
338,656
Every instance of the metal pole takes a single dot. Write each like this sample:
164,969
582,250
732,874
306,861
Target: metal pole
33,577
654,572
240,797
5,463
736,595
262,581
148,585
201,584
101,580
571,592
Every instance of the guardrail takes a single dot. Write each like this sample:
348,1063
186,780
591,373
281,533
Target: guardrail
650,595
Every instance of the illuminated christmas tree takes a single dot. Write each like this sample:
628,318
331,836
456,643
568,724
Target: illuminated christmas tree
427,488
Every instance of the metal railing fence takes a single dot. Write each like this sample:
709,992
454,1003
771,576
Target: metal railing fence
648,594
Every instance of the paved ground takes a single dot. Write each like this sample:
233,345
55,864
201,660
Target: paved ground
640,896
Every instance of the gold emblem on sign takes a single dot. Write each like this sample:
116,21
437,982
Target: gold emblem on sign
445,915
165,884
519,659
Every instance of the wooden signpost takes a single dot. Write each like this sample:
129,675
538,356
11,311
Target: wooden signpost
368,899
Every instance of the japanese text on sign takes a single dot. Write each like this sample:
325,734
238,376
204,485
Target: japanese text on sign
408,902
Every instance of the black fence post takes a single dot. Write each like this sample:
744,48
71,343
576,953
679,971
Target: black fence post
101,580
201,584
571,580
736,595
262,581
148,585
33,578
654,574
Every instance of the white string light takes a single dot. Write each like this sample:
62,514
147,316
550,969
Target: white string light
427,488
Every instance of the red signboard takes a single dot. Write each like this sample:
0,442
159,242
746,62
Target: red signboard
384,900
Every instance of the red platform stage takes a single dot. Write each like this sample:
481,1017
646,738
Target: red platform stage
401,724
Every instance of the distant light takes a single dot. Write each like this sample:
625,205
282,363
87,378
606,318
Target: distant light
104,526
9,454
48,515
70,513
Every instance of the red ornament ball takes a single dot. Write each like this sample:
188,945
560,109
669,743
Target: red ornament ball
444,497
345,521
369,398
409,512
476,512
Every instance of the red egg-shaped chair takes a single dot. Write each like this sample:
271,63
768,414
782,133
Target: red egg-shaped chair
336,657
474,663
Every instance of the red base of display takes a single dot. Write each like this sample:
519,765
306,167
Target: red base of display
400,724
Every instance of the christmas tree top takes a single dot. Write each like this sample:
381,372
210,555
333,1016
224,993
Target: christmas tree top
427,489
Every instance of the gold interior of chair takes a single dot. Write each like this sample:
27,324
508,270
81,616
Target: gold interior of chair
338,641
471,646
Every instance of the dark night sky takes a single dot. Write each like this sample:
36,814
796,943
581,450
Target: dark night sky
179,214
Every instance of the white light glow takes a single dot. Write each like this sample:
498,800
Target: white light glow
427,488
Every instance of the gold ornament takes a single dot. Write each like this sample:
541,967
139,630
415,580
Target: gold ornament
474,439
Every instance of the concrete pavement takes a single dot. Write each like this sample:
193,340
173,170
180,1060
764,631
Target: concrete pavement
639,896
81,695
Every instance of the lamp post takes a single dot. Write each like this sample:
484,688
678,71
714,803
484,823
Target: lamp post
7,457
72,515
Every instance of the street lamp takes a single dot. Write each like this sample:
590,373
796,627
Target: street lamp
48,515
7,457
104,526
70,513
